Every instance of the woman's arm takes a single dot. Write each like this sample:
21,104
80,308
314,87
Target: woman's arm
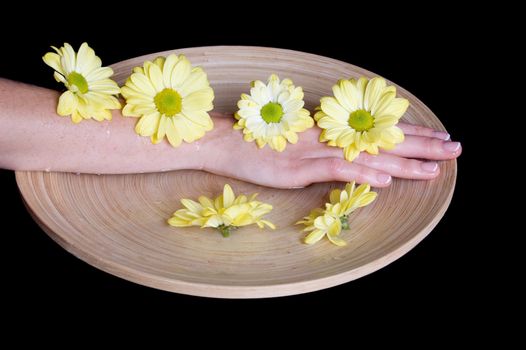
33,137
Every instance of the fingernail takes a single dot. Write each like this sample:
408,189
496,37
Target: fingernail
451,146
429,167
383,178
442,135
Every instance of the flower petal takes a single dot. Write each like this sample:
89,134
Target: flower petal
335,239
179,74
353,96
385,121
351,152
168,67
386,97
314,236
158,136
291,136
53,60
156,77
99,74
148,124
67,103
197,80
228,196
396,107
193,206
201,118
143,84
373,92
172,133
128,111
393,135
87,62
76,117
331,107
335,196
342,98
292,106
206,202
68,59
187,130
366,199
199,101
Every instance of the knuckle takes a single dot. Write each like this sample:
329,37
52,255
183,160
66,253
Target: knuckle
363,175
335,167
411,168
433,146
423,131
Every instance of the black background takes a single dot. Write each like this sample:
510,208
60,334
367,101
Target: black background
433,54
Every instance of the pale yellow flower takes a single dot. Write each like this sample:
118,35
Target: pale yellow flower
171,98
224,213
361,116
273,113
90,91
344,202
331,220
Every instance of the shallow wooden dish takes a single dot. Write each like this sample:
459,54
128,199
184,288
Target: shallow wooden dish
118,223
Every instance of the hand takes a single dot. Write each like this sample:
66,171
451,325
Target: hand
311,161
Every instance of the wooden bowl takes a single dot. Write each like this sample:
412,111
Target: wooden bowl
118,222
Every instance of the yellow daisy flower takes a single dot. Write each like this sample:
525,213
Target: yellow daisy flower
361,116
171,98
90,91
224,213
273,113
334,218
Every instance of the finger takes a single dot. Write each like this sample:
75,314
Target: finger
220,115
322,150
426,148
418,130
398,166
336,169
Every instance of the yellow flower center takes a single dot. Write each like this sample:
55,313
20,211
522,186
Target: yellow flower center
79,81
168,102
361,120
272,112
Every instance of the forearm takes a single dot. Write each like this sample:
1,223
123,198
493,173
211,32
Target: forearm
33,137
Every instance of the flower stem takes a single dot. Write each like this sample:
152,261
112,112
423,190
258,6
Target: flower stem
345,222
225,230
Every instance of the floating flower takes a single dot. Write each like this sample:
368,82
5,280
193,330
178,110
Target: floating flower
273,113
361,116
171,98
224,213
331,220
90,91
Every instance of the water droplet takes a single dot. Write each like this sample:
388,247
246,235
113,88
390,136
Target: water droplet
77,174
108,132
47,170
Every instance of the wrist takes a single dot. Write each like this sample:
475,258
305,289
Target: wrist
213,146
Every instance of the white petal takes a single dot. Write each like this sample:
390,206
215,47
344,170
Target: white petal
168,67
373,92
180,73
330,106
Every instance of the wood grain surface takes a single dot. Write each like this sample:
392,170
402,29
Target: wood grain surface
118,222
